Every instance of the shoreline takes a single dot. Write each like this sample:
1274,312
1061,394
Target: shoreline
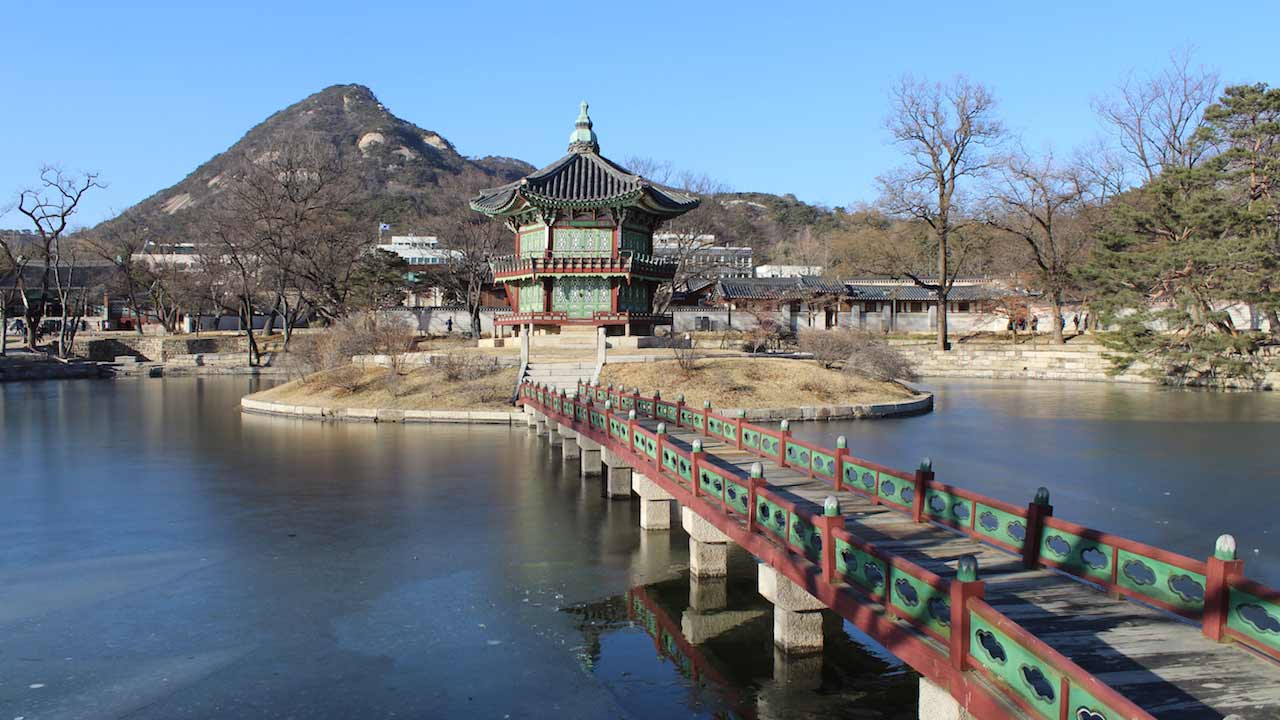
919,404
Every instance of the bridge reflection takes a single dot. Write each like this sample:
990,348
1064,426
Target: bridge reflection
717,636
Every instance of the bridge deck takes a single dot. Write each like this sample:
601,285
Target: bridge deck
1159,661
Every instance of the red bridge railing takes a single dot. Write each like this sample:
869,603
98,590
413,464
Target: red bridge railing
967,633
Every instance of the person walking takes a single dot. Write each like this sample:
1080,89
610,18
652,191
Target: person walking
1075,320
448,325
1035,323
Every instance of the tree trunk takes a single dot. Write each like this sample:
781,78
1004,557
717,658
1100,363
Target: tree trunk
943,291
1055,299
4,326
246,317
1273,323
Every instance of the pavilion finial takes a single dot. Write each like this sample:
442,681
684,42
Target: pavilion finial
583,138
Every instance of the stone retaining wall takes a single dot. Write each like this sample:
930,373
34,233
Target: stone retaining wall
312,412
1001,361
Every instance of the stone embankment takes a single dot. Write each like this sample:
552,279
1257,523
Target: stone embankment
1077,360
315,412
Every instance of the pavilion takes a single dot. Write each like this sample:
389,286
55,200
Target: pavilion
584,230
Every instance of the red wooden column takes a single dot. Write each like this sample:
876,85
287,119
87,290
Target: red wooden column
737,436
706,410
966,585
921,482
1220,569
695,474
1037,511
754,483
679,409
784,429
657,397
842,452
831,520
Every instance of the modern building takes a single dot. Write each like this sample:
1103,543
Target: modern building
419,250
788,271
704,259
584,229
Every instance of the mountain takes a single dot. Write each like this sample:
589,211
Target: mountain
404,173
398,167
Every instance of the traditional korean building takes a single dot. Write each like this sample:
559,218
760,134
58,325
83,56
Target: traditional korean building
584,230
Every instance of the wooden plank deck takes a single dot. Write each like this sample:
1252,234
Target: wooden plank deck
1158,660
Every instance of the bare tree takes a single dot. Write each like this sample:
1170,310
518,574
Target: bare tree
690,234
947,132
49,207
288,194
472,241
1155,118
1041,205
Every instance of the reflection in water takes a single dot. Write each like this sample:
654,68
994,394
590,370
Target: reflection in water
1172,468
165,557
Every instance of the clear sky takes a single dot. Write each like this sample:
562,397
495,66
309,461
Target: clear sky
778,97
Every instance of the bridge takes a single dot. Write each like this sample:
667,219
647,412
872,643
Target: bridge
1005,611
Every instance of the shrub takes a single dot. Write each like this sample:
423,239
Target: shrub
873,357
829,347
460,367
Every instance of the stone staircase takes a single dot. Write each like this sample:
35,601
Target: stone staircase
564,375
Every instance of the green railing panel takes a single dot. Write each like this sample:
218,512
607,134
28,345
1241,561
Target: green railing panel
711,483
896,490
1000,525
769,444
1079,555
1167,583
860,568
751,438
1083,706
729,431
735,497
669,460
647,619
1254,618
950,508
672,648
687,416
806,538
1027,675
714,425
646,407
666,412
627,402
922,603
824,465
684,468
862,478
797,455
771,517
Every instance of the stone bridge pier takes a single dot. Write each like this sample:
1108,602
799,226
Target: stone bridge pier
617,475
655,503
590,456
797,615
708,547
569,449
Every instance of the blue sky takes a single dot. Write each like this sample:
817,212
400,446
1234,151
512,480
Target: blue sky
777,97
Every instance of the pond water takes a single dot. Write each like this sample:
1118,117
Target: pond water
162,556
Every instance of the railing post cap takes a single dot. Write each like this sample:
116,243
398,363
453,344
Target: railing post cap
967,569
842,443
785,425
757,470
697,446
926,464
1225,547
831,506
706,404
1042,496
631,414
680,398
610,386
657,394
608,405
662,428
742,413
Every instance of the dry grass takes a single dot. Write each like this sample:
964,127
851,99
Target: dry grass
753,383
419,389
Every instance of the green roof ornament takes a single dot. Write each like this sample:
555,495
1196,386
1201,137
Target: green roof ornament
583,138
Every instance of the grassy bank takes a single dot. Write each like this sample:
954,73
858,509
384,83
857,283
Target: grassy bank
753,383
425,388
